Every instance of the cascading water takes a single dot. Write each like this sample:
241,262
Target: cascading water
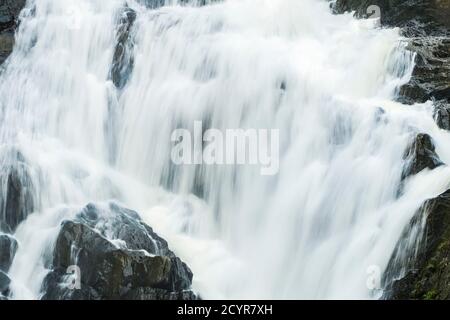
326,82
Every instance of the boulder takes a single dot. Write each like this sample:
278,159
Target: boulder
8,248
16,190
442,114
118,256
419,155
4,284
123,60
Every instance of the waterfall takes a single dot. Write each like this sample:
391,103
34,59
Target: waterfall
328,83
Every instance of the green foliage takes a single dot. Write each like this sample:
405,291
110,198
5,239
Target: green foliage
430,295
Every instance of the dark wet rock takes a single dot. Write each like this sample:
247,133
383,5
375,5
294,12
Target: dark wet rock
442,114
426,273
9,13
136,264
416,17
16,190
158,294
420,155
123,60
6,45
8,248
441,94
18,200
4,284
431,76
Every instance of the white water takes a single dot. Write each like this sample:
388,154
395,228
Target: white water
311,231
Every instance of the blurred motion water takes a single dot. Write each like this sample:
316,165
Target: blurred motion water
328,84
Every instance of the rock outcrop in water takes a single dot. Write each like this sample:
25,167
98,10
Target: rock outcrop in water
415,17
4,285
9,12
8,248
442,115
420,155
427,275
123,60
16,190
118,256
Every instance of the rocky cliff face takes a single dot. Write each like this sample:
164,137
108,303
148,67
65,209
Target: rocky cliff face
422,273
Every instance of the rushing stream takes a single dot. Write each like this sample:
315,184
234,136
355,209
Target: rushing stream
327,82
